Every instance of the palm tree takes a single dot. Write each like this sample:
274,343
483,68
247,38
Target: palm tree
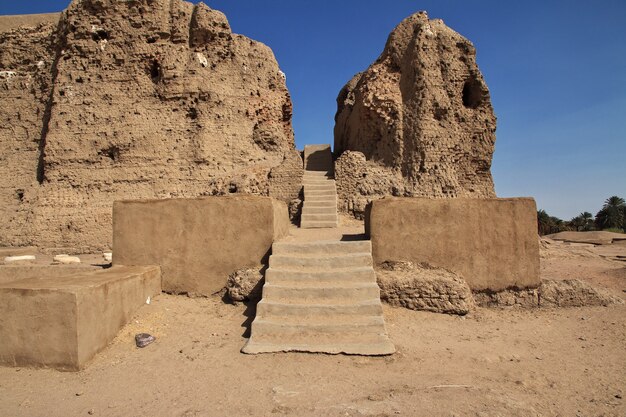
547,224
543,222
558,225
611,215
587,220
583,222
577,222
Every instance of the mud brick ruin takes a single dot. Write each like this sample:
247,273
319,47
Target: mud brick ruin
150,129
417,123
117,100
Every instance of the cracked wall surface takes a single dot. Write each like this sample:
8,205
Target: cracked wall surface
417,122
133,100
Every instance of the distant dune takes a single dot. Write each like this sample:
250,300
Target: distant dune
596,238
9,22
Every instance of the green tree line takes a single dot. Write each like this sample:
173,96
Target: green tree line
611,217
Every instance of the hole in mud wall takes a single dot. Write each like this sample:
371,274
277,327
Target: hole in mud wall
19,194
99,35
232,188
440,113
112,152
287,113
472,94
192,113
155,71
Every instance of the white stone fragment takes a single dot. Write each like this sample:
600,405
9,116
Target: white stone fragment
108,256
428,30
202,59
10,259
7,75
41,64
66,259
148,300
282,75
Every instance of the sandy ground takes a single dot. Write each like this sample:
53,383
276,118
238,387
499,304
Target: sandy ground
14,21
493,362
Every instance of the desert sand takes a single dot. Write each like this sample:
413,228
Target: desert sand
492,362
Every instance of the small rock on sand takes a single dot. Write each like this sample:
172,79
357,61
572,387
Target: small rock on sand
143,339
20,258
65,259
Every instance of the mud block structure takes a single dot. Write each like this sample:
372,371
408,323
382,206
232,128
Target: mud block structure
62,319
491,243
197,242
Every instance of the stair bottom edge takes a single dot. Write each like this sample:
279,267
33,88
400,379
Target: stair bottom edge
383,348
318,226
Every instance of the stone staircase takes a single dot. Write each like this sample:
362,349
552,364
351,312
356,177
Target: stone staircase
320,194
320,296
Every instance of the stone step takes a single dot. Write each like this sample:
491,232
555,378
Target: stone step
322,247
317,179
313,320
367,327
319,217
316,197
267,308
336,270
321,203
326,186
319,168
364,339
286,277
320,262
313,198
319,210
340,293
320,193
325,182
316,173
322,179
376,346
318,224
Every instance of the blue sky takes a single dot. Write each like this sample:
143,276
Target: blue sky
556,71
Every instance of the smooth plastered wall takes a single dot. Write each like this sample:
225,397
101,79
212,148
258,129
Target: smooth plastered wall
197,242
491,242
